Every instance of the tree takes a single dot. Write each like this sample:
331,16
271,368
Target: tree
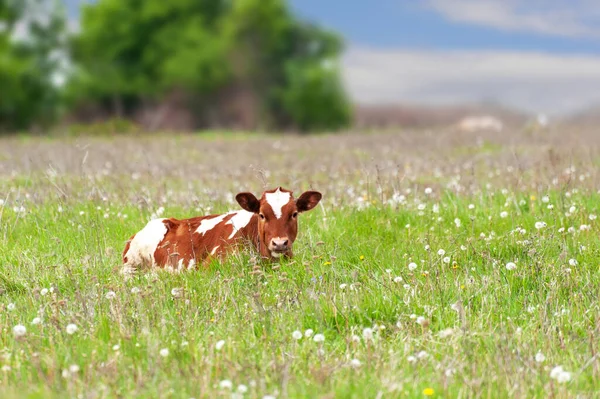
31,35
213,51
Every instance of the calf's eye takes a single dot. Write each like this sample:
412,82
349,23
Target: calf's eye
262,217
294,215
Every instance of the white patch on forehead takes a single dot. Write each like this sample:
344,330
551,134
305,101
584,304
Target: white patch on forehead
214,250
239,221
209,224
277,200
144,244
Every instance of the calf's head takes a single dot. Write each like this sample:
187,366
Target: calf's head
277,212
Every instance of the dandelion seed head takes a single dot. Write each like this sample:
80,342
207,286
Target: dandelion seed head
19,330
71,329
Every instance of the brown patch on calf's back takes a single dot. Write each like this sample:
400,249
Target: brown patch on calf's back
182,243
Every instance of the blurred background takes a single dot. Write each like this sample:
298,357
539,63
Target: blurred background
297,66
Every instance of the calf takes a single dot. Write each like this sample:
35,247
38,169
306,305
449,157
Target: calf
270,224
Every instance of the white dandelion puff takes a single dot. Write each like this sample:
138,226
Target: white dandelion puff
71,329
19,330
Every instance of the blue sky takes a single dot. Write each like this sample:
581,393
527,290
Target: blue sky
420,24
536,55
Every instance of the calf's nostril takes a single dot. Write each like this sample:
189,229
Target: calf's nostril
285,243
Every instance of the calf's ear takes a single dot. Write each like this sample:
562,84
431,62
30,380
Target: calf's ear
248,202
308,200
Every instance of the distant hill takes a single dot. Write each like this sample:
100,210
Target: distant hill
588,117
407,115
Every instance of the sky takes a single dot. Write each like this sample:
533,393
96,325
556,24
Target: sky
536,55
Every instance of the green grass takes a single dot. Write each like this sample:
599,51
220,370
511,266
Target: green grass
464,327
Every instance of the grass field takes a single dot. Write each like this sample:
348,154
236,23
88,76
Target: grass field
439,265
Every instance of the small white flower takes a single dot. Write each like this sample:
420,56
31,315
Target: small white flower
421,207
560,375
446,259
110,295
220,344
269,397
511,266
308,333
555,372
71,329
471,206
397,279
441,252
19,330
225,384
319,338
406,286
343,286
164,352
503,214
411,359
545,199
116,347
355,363
44,291
428,190
11,306
6,368
421,320
135,290
593,217
36,320
572,262
457,222
572,209
177,292
540,225
539,357
73,368
422,355
367,334
297,335
242,388
412,266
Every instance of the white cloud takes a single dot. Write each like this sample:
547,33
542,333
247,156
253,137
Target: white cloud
556,84
575,18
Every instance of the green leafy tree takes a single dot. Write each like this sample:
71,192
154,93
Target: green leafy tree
31,35
130,53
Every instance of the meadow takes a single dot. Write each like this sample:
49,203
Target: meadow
439,264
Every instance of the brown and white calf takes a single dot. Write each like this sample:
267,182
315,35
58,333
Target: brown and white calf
270,224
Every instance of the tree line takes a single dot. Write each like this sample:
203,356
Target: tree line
221,63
